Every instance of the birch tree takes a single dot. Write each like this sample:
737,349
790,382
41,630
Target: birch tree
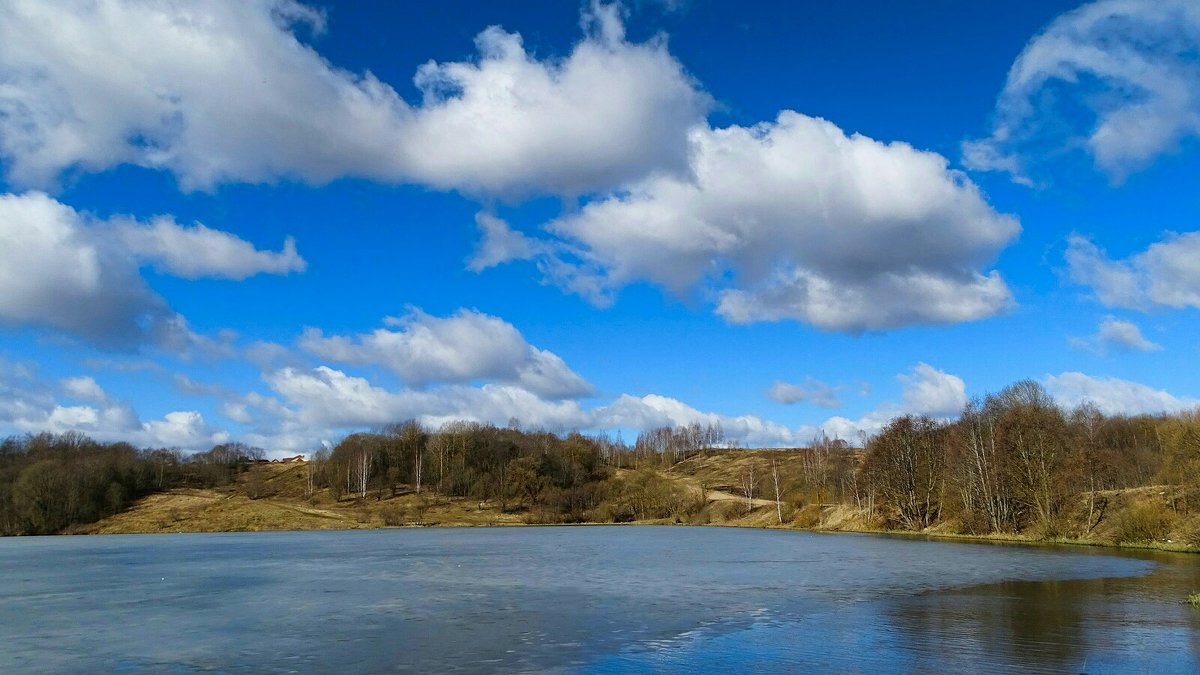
749,482
778,498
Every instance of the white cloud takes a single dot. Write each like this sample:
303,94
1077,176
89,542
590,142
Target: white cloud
1129,63
27,405
310,406
326,397
197,251
812,391
653,410
322,403
1166,274
609,112
466,346
84,388
500,244
63,269
21,399
796,220
54,272
1115,334
1114,396
184,429
210,90
925,391
929,391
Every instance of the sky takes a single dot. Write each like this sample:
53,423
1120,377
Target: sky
281,222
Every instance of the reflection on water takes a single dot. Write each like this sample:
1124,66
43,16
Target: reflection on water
600,599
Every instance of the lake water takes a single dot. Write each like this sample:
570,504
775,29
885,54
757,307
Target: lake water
587,599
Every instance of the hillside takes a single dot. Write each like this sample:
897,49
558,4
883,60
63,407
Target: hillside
274,497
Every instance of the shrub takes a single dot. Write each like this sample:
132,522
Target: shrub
394,515
1144,523
809,516
728,510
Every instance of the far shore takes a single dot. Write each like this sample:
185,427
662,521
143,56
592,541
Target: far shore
209,511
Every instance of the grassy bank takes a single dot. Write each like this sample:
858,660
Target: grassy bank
283,503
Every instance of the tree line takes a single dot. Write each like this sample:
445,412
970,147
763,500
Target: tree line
555,479
49,482
1010,462
1015,461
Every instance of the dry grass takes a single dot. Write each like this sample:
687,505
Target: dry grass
230,509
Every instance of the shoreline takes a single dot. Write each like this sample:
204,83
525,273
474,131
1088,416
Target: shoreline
997,538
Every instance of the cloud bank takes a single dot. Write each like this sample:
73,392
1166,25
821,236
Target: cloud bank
28,405
1114,396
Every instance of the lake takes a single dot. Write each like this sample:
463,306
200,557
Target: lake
587,599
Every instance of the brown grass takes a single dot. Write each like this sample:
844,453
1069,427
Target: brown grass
1147,517
230,509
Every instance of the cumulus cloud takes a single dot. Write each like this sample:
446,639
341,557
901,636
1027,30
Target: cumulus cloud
929,391
791,219
466,346
812,391
84,388
325,396
1114,396
54,272
209,90
63,269
653,410
1166,274
609,112
308,406
926,390
1114,334
796,220
28,405
197,251
1130,64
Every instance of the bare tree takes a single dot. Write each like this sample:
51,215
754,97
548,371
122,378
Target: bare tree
363,469
419,451
310,481
778,500
749,482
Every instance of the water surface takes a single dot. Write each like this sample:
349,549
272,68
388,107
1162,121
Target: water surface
587,599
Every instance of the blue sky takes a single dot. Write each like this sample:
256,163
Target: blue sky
281,222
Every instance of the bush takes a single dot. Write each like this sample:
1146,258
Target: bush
258,486
809,516
394,515
728,510
1144,523
974,522
645,495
